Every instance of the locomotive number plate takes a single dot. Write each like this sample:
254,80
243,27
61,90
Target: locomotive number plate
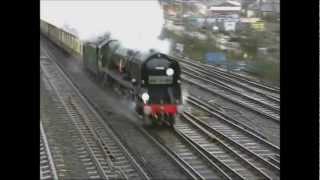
160,79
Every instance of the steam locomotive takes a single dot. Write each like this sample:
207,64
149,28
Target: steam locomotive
151,80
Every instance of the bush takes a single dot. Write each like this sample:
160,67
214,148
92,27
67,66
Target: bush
193,48
266,70
270,18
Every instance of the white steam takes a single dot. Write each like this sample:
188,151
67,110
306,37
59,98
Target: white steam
136,23
185,96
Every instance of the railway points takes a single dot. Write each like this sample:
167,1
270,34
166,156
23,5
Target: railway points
154,161
236,78
235,97
233,160
215,147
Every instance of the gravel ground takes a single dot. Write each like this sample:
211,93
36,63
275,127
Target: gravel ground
119,117
58,129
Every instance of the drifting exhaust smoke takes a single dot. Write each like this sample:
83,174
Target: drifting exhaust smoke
137,24
185,96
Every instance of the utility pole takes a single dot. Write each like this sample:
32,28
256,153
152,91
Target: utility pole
182,8
260,10
274,9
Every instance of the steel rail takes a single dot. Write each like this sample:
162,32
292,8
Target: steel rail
224,87
225,81
239,77
274,118
253,159
48,155
232,122
97,136
198,161
216,148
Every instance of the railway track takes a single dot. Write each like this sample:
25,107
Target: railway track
228,120
253,93
109,156
187,155
235,160
205,156
237,135
47,167
269,102
233,78
183,145
254,105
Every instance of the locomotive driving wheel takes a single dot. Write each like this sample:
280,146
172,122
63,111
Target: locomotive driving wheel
172,121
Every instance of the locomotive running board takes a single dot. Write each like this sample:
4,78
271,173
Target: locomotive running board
119,79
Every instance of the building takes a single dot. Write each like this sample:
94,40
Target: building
226,14
170,9
255,23
264,8
224,9
201,8
218,15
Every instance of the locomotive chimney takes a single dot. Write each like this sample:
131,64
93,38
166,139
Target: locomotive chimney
152,51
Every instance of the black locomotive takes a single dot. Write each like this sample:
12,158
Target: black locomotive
150,79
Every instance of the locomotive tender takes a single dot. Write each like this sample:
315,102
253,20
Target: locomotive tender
149,79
